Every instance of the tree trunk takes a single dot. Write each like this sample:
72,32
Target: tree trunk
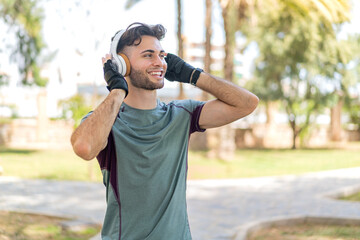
42,118
271,108
180,45
208,34
225,147
295,133
335,125
229,27
221,142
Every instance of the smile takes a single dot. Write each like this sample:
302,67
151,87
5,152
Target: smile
156,73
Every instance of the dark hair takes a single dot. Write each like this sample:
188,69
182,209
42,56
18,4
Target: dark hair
134,32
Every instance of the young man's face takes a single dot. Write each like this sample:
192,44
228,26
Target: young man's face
148,65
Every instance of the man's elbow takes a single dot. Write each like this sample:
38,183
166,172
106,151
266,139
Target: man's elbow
252,103
246,108
82,149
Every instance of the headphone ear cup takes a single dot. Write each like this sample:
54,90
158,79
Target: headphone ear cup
126,67
122,63
120,60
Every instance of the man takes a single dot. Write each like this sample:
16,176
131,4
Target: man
141,143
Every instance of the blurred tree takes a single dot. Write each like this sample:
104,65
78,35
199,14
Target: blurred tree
299,60
75,108
350,84
221,141
25,17
347,82
208,45
229,13
208,35
352,107
4,79
240,15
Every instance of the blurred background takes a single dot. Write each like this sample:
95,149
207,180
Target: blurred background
300,57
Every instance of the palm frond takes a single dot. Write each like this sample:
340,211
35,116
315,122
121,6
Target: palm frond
131,3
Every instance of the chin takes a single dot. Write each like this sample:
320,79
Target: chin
160,85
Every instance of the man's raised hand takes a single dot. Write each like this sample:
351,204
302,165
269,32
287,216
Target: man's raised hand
112,77
177,69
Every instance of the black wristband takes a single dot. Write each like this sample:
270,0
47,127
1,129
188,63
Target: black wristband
195,76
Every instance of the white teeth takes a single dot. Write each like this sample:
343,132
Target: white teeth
155,73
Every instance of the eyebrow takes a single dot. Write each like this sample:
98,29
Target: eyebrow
151,51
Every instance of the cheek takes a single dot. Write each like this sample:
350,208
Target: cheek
138,65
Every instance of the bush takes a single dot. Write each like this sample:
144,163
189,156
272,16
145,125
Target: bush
75,108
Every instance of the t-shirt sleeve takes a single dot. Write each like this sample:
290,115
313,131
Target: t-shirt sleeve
194,124
195,108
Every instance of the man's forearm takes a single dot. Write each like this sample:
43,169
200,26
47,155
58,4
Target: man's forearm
227,92
91,136
232,103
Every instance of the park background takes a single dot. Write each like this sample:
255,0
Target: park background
300,57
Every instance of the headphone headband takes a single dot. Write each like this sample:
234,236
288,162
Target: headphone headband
115,41
118,35
119,60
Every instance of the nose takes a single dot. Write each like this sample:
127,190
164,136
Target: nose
159,61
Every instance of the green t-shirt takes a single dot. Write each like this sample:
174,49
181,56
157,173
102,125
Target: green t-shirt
144,170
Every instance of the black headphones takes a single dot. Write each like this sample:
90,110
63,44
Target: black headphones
120,60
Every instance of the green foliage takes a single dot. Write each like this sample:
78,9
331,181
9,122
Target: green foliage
131,3
352,107
4,79
75,108
25,17
351,82
301,62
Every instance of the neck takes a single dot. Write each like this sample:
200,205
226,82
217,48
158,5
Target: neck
141,98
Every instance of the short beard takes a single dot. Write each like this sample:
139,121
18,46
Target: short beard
139,80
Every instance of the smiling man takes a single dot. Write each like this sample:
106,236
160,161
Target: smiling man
141,143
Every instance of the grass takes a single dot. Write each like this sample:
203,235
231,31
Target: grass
48,164
354,197
65,165
25,226
257,163
308,232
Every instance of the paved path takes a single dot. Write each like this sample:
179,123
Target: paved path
217,208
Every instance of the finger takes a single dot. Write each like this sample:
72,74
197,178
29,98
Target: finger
107,57
103,60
